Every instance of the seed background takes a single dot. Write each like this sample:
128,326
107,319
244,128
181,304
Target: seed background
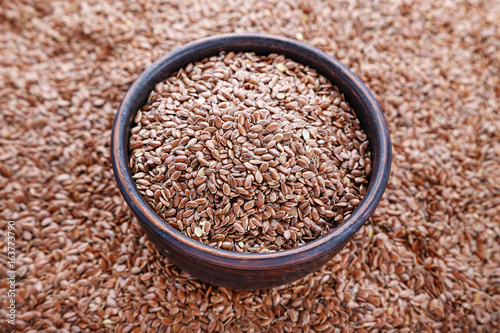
427,260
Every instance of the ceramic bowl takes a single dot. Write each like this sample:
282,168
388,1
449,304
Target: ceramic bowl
246,271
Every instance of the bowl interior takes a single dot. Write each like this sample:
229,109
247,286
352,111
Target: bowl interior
358,96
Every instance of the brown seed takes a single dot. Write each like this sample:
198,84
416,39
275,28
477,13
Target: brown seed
226,189
249,166
242,130
272,127
242,190
270,144
308,174
248,182
277,138
200,201
248,205
232,181
210,144
200,180
274,173
239,228
260,151
256,128
258,176
180,166
175,175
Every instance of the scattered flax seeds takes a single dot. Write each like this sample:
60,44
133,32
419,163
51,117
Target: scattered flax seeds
84,263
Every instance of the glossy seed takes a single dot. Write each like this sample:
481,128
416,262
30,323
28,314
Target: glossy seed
226,189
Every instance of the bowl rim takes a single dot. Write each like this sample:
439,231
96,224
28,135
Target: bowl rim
248,261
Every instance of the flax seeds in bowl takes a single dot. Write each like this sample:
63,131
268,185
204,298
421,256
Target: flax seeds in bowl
249,153
243,161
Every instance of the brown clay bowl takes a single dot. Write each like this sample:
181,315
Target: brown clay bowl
245,271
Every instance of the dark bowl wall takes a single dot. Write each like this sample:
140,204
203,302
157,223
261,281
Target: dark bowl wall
249,274
251,271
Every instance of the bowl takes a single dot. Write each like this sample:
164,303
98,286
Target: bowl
251,271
